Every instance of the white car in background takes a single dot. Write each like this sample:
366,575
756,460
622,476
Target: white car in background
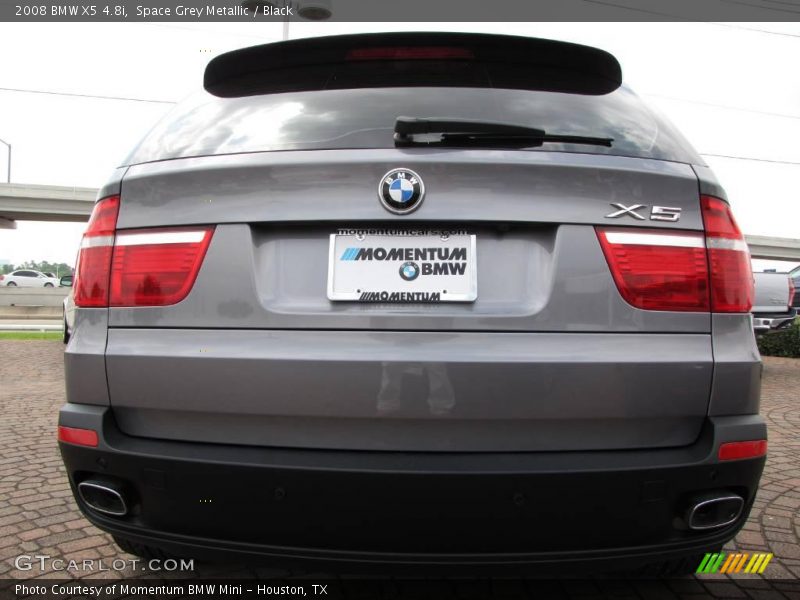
28,278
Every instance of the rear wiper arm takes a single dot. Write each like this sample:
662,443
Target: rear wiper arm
459,132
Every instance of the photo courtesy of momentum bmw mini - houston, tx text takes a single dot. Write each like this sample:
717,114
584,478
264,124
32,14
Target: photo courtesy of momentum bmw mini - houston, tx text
476,305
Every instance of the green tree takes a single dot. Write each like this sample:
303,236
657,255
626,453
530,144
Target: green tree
57,269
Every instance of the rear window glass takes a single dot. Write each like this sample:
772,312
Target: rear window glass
364,118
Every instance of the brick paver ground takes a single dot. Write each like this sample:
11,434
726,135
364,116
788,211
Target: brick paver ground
38,515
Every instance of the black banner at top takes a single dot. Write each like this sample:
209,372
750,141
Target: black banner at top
395,10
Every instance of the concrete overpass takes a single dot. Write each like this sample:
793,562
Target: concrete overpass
29,202
53,203
773,248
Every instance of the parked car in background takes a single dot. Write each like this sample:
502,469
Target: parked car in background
28,278
794,279
68,308
772,304
461,337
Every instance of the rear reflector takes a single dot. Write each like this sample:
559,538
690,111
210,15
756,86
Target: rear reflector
81,437
739,450
666,269
410,53
155,267
728,258
94,260
658,269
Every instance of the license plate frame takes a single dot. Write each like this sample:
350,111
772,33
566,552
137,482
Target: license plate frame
392,286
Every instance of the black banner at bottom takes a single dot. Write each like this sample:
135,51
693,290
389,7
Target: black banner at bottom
381,588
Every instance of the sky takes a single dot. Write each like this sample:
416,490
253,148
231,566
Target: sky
731,89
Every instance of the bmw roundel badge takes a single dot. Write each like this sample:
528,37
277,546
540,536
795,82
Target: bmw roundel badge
401,191
409,271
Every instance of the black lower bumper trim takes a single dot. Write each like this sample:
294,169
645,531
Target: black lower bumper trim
366,508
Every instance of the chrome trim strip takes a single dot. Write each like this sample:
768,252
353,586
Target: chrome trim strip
97,241
719,243
689,240
160,237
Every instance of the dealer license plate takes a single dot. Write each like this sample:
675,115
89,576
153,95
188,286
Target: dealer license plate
402,266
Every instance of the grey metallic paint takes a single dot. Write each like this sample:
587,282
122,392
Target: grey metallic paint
552,279
708,183
737,366
265,273
84,356
462,186
737,362
445,390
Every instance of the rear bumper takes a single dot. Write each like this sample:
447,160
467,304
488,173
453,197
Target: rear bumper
342,509
772,322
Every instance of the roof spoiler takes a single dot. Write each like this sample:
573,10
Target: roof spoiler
349,61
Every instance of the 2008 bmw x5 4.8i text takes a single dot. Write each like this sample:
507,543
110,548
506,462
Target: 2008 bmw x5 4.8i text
415,299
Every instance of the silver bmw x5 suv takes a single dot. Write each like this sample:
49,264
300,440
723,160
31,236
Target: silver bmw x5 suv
414,299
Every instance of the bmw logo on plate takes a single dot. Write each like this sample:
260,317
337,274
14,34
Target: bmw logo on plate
409,271
401,191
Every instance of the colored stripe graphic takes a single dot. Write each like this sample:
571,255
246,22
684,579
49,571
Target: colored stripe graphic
767,558
717,562
753,563
349,254
734,563
702,567
729,562
741,562
711,563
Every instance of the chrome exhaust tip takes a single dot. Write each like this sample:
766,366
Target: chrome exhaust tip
711,512
103,497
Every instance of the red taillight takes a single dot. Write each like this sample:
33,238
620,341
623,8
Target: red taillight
665,269
156,267
81,437
658,269
142,267
94,260
410,53
2,277
728,258
739,450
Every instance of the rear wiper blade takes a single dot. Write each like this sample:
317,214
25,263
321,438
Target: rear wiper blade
459,132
